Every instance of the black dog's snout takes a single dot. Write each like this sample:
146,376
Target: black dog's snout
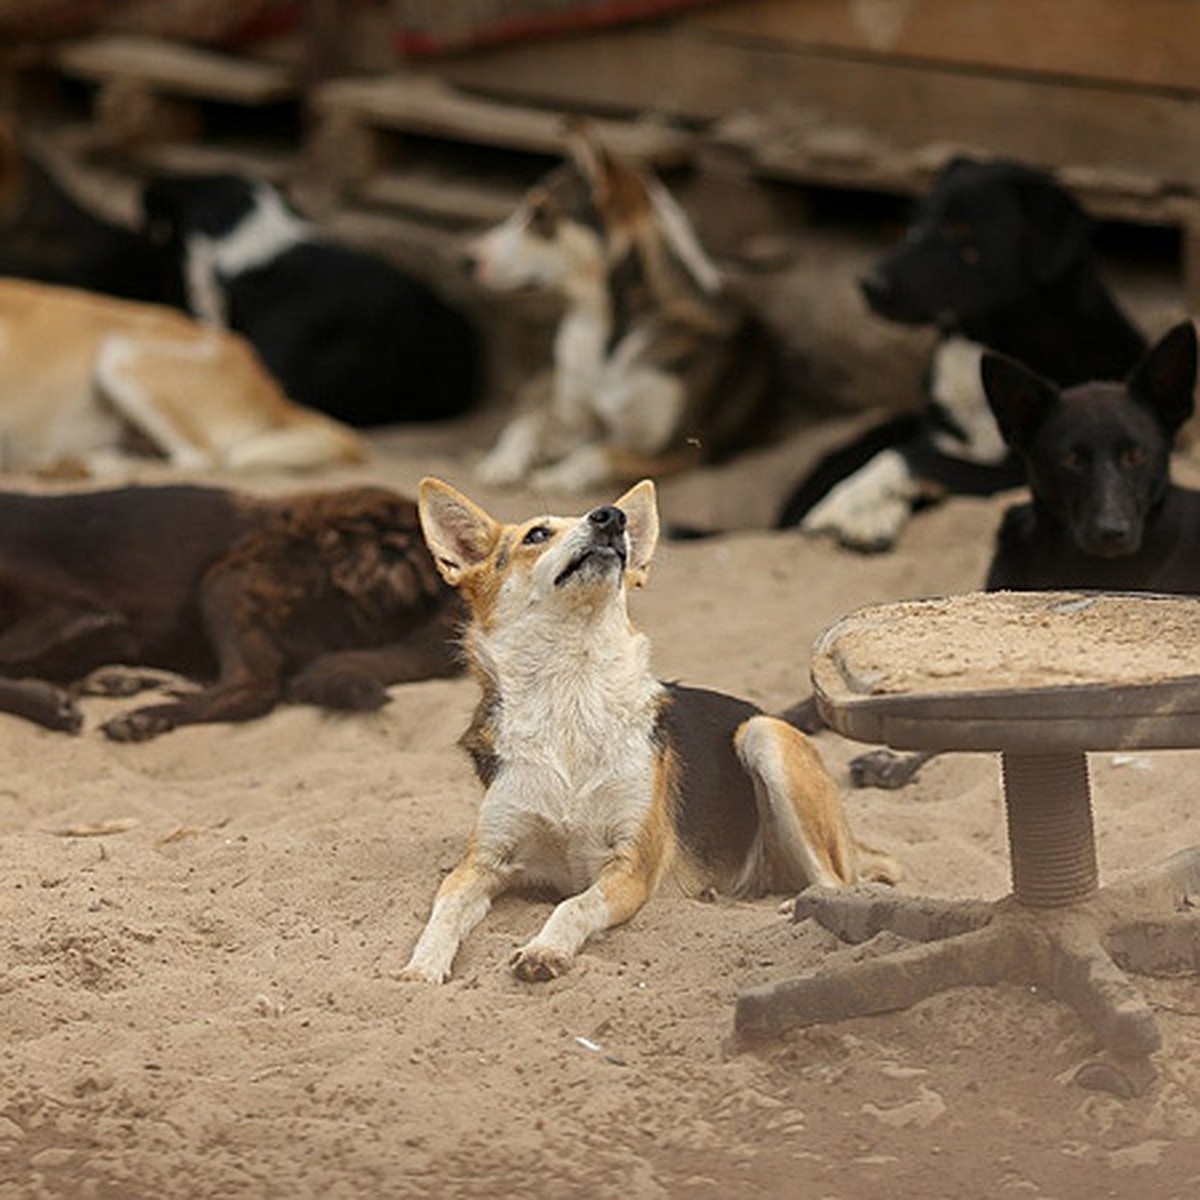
876,287
1113,530
608,520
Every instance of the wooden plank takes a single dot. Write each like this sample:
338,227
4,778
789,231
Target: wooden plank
681,71
436,196
1153,43
1106,195
422,104
175,69
208,158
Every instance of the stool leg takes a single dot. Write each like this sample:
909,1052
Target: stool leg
1051,843
876,985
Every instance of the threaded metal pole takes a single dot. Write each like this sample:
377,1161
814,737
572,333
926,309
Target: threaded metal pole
1050,839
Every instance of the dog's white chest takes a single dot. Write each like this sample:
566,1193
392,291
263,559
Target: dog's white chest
575,785
579,349
561,828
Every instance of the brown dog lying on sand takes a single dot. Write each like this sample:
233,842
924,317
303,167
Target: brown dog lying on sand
323,597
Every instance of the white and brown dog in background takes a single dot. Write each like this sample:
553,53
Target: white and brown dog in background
656,365
600,779
86,380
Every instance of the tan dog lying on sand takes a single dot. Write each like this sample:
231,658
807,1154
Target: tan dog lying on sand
600,779
85,379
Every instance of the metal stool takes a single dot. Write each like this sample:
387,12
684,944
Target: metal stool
1058,930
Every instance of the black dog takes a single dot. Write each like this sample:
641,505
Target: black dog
998,257
323,598
1104,514
343,331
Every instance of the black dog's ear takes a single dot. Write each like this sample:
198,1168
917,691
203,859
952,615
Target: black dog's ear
1165,379
1056,231
1019,398
956,164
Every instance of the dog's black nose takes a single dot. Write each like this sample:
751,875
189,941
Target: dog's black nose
608,519
1113,532
876,287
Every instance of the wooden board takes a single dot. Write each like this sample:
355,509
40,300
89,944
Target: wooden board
421,104
1150,43
440,198
684,71
177,70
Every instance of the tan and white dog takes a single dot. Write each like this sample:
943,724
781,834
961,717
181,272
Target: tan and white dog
600,779
657,366
85,378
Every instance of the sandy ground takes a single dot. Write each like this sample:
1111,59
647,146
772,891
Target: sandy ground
201,1001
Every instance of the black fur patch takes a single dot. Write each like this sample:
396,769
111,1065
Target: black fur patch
717,815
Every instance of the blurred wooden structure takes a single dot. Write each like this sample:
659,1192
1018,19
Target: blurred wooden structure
864,94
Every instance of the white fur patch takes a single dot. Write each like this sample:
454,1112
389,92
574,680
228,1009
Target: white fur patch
680,236
957,388
515,451
640,406
868,510
116,360
269,229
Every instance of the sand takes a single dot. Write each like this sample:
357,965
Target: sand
982,642
200,934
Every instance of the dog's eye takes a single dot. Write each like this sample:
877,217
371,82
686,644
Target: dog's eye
969,255
538,534
1072,460
1133,456
958,231
541,219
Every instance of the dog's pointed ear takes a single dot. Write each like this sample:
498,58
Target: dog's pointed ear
1055,230
1018,397
588,154
640,506
1165,378
457,531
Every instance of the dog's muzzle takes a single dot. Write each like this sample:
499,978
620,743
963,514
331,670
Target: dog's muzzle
605,546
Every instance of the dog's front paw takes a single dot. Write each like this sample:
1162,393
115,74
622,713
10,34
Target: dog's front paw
867,511
138,726
121,682
343,689
871,530
537,964
50,706
884,769
501,469
585,467
416,973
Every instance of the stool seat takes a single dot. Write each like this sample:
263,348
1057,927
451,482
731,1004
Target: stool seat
1031,671
1041,677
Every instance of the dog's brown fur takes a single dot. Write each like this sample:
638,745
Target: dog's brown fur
85,377
321,597
602,781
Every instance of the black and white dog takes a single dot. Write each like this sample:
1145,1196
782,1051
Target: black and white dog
998,258
343,331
